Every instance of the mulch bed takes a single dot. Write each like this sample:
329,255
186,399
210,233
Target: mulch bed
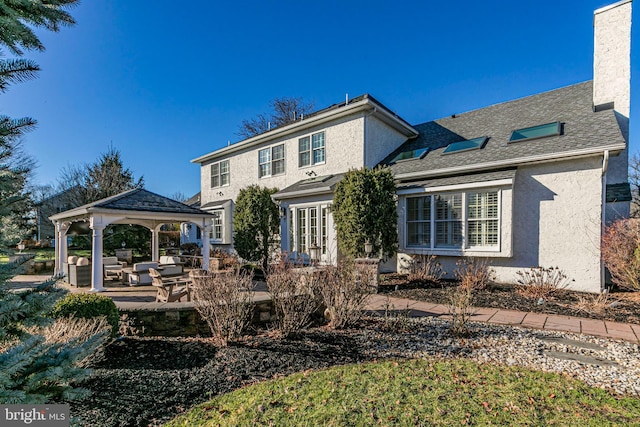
620,306
148,381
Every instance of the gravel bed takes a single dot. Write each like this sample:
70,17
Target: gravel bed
610,365
147,381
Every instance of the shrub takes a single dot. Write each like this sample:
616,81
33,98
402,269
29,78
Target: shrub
224,300
344,292
621,252
294,297
473,273
460,302
425,268
88,306
540,282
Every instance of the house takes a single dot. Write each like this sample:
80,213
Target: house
524,183
51,205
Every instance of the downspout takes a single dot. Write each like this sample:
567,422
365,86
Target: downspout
605,166
364,145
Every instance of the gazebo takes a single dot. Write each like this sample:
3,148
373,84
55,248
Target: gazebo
137,206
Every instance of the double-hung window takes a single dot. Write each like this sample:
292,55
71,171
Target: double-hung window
217,228
457,220
220,174
311,150
271,161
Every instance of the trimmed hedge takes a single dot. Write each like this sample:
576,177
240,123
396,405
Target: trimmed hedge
87,306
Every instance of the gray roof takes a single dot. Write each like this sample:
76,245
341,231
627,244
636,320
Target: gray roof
142,200
310,186
460,179
216,204
583,130
193,201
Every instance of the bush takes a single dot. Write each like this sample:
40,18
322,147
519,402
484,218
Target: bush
88,306
293,296
621,252
540,282
425,268
460,302
473,274
344,292
224,300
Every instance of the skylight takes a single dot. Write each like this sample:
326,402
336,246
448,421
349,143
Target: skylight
411,154
471,144
539,131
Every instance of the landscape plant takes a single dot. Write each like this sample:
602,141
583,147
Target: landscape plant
294,297
621,252
426,268
88,306
541,282
344,293
364,209
256,224
225,302
474,273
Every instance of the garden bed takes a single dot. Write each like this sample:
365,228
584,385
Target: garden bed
619,306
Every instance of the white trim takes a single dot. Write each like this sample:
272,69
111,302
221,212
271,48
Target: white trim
445,188
511,162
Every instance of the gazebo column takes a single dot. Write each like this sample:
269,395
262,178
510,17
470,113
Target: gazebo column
96,256
205,245
61,246
155,244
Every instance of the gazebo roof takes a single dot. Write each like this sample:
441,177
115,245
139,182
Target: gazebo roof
134,204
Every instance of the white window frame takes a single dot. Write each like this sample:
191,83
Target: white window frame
220,175
271,160
465,246
318,228
216,235
310,151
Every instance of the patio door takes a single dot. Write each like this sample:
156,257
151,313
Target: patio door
308,225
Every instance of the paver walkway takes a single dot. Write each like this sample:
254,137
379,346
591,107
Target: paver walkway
128,296
549,322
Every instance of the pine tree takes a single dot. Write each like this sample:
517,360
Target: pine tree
35,366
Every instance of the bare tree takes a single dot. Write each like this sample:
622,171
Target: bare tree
284,110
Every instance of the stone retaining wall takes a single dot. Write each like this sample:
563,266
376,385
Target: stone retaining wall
180,319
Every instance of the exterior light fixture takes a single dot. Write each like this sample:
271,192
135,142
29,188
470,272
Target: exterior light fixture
314,252
123,244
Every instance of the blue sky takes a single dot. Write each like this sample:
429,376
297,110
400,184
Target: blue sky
165,82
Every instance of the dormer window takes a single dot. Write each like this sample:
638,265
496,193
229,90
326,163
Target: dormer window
311,150
534,132
418,153
471,144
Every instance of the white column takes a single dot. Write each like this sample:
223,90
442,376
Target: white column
155,244
61,247
96,259
205,245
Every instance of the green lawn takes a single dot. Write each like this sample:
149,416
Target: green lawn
415,393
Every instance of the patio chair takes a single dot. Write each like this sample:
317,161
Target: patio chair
169,289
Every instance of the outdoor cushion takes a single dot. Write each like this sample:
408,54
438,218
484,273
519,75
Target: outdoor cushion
164,260
82,261
72,259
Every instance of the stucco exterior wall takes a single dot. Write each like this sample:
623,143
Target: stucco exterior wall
556,221
343,149
380,140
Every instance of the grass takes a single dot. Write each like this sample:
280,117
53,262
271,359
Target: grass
415,393
47,254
